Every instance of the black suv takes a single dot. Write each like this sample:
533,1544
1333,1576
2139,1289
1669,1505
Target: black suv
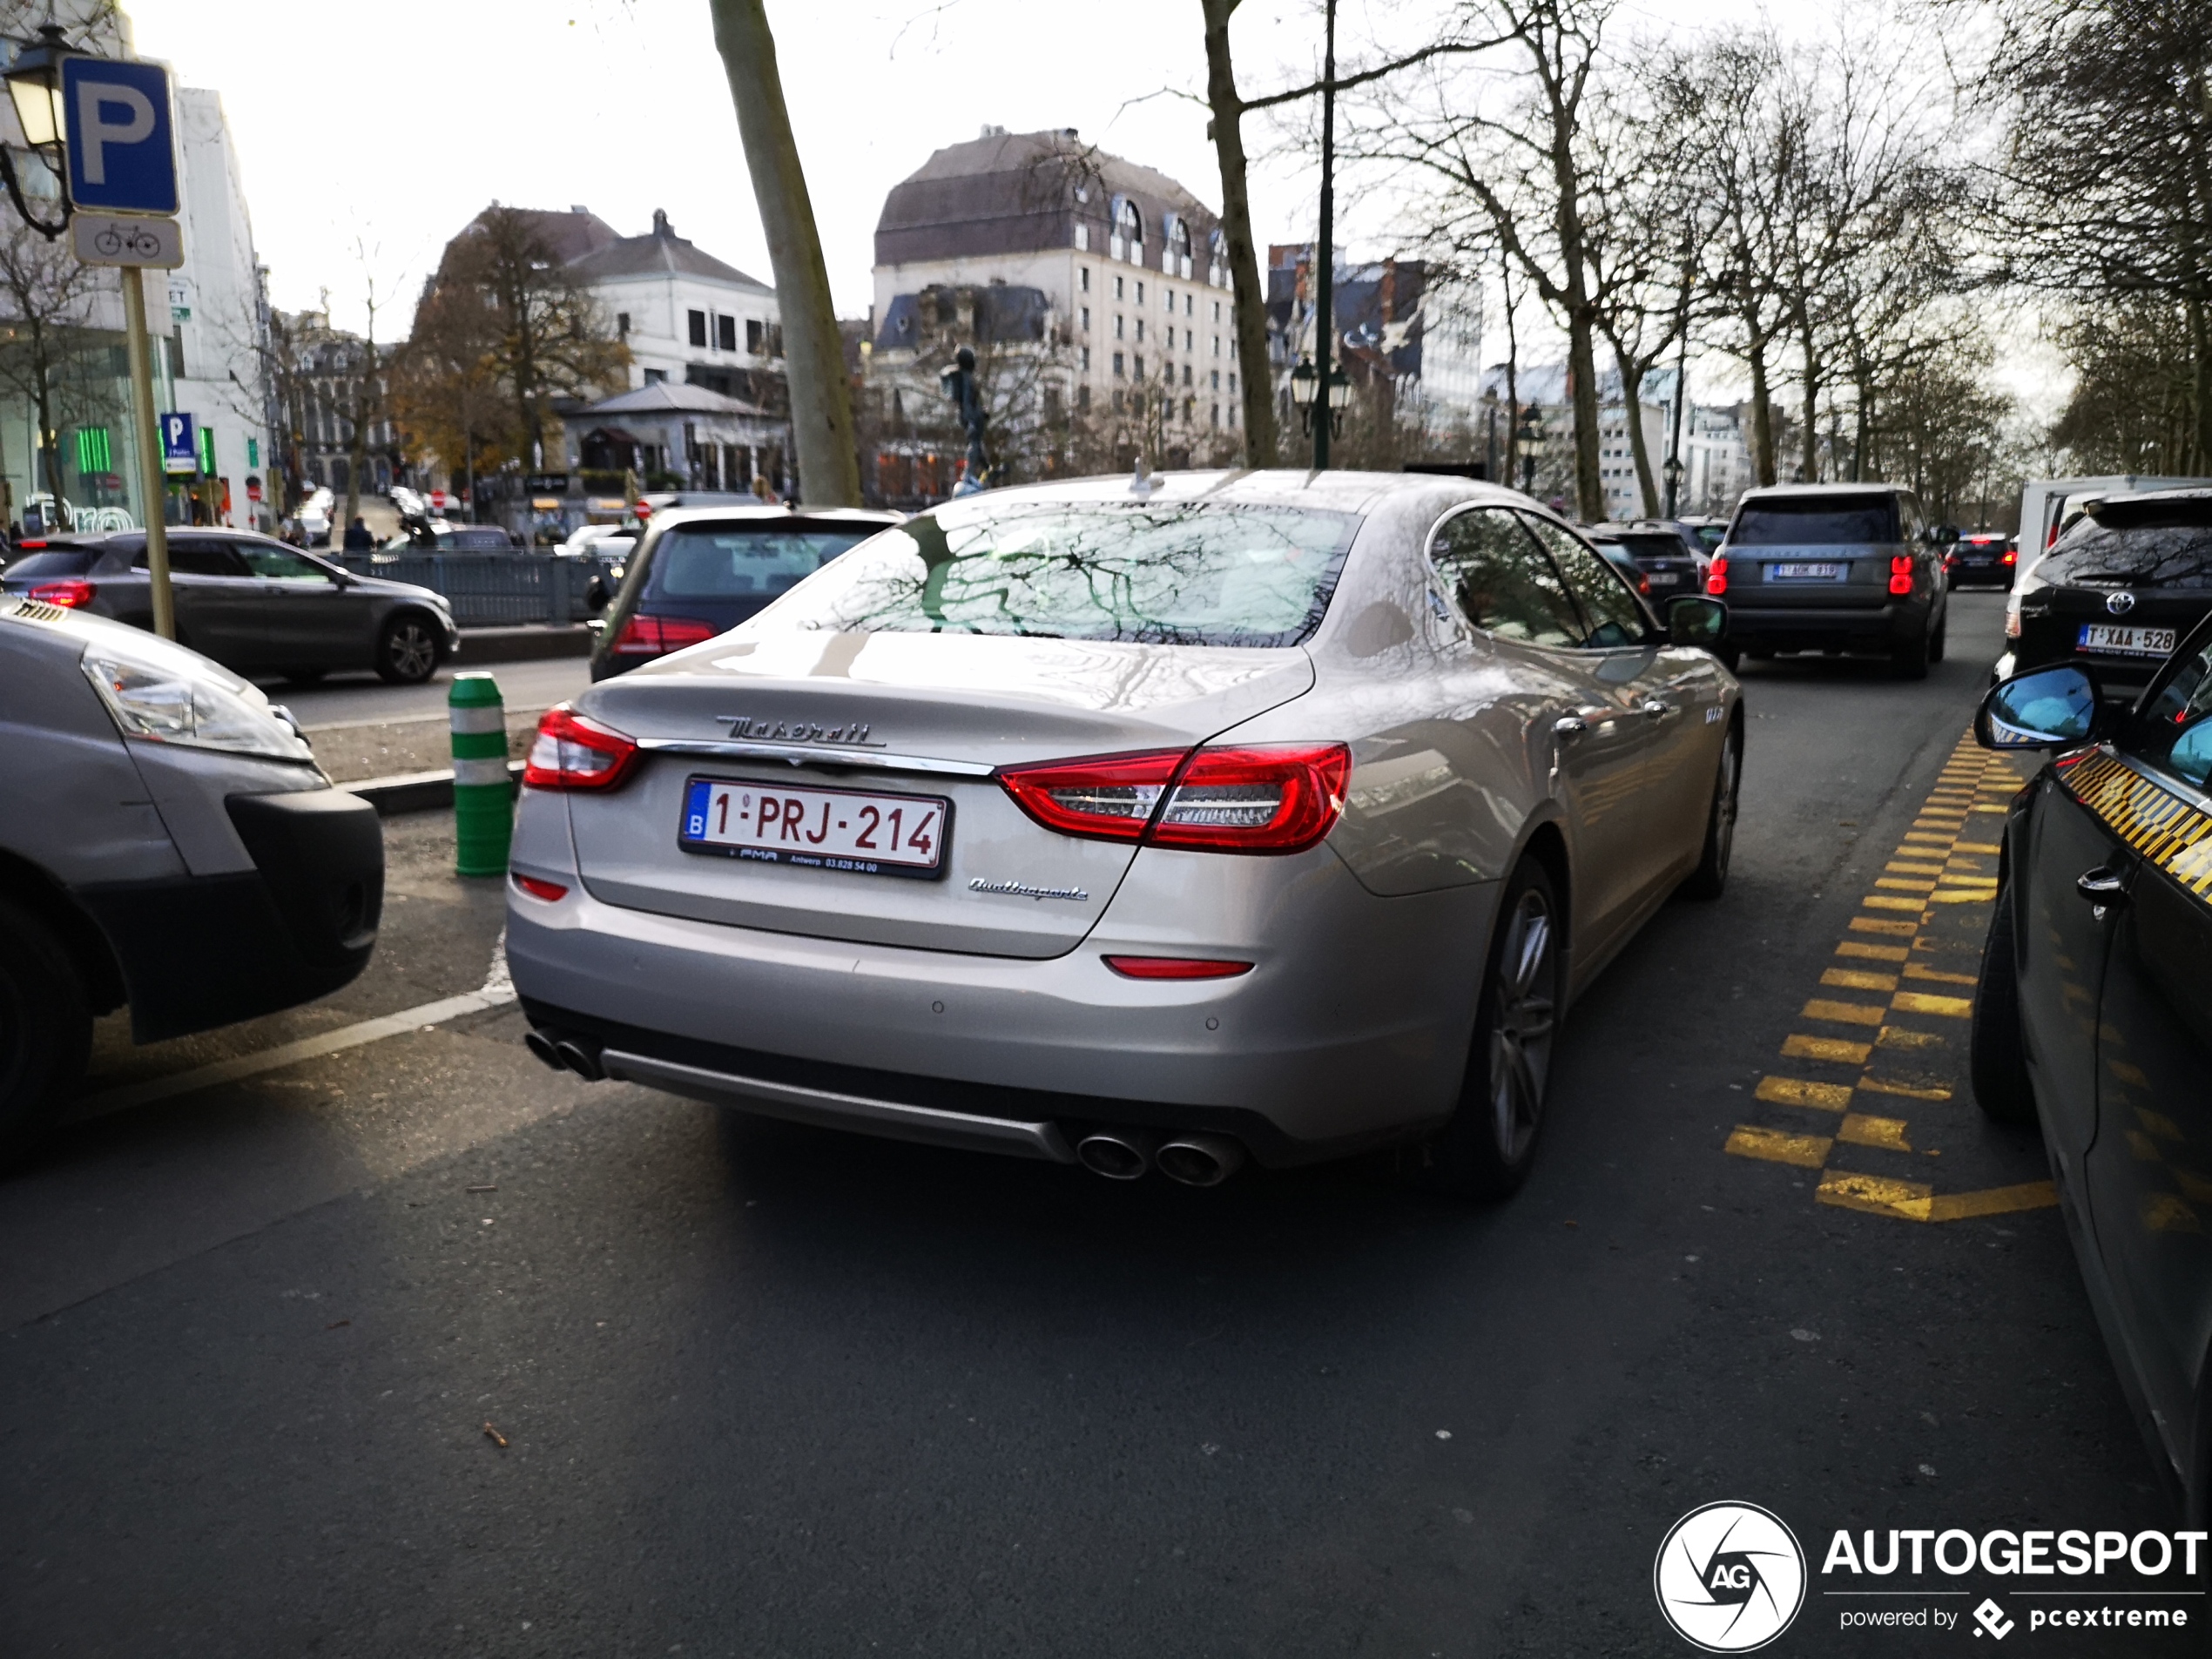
1846,568
2128,578
1672,562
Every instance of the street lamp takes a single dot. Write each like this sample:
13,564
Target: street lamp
34,87
1306,384
1529,440
1303,379
1673,469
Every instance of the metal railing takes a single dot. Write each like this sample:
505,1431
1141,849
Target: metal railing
496,589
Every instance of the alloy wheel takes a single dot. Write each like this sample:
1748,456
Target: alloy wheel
410,651
1523,1017
1724,807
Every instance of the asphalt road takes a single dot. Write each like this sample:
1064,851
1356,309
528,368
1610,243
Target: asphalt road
766,1391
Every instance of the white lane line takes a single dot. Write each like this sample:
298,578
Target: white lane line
498,991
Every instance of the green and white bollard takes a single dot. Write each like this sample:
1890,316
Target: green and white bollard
484,800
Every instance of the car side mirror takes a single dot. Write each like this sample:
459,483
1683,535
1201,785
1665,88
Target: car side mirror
1693,619
2045,708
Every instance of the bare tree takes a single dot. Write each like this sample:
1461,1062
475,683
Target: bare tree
47,299
821,405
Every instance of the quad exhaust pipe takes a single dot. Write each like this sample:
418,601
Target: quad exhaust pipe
563,1055
1193,1160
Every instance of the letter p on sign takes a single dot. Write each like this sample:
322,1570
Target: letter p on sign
121,156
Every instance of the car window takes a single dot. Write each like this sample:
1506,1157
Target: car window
280,563
2174,726
1168,572
1501,580
53,561
2112,551
1817,521
1614,615
741,561
191,556
1652,545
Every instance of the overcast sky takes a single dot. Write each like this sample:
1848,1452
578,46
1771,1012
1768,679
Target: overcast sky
386,128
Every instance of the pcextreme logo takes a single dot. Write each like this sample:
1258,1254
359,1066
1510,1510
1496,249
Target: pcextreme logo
1730,1577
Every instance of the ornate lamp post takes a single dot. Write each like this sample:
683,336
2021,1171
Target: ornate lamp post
1303,379
35,88
1529,442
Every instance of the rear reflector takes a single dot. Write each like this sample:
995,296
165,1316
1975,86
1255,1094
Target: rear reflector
548,891
572,752
1176,968
658,636
69,592
1260,797
1717,575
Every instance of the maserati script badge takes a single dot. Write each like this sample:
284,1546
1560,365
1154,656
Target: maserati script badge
853,734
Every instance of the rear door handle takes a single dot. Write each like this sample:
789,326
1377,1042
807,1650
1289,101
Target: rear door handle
1569,726
2103,887
1654,709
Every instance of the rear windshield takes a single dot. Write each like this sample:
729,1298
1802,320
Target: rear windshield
1653,547
59,561
743,562
1184,573
2116,547
1816,521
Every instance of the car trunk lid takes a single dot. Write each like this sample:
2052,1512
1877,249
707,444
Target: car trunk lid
924,716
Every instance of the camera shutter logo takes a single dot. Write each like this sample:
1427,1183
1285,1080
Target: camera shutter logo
1730,1577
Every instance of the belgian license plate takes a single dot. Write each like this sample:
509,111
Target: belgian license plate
1803,572
2126,642
822,829
1665,579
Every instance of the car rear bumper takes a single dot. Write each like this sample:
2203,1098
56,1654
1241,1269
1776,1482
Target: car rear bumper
1312,1053
1830,627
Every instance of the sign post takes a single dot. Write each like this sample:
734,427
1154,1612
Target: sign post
122,164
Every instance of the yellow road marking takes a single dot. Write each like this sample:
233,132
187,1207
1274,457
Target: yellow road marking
1874,1085
1861,1129
1876,925
1854,979
1878,1194
1822,1007
1957,1007
1797,1045
1795,1091
1992,1201
1889,901
2164,1212
1912,867
1874,952
1897,1037
1913,970
1905,884
1962,896
1806,1151
1989,849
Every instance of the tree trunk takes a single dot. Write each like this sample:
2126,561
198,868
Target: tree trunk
49,438
1809,449
1513,372
2201,383
1249,307
821,401
1581,366
1632,405
1762,414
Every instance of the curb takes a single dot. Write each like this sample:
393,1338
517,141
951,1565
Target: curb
525,644
417,792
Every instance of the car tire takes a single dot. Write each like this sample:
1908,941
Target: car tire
1909,661
45,1029
1997,1059
1936,643
1486,1149
1709,878
407,650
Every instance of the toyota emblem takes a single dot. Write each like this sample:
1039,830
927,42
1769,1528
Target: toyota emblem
2120,603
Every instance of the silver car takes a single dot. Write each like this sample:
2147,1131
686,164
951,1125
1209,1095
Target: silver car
1144,823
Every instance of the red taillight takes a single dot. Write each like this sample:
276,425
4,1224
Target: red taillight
27,545
658,636
69,593
572,752
1176,968
2011,557
1717,575
1264,797
548,891
1901,573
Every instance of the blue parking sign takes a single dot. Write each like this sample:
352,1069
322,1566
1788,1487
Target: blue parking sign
121,156
179,449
